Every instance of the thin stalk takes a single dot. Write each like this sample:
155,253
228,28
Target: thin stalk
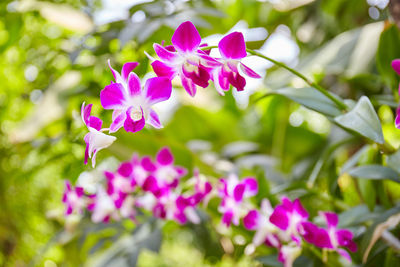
341,105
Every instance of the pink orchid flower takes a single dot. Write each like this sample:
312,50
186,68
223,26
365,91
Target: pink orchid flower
73,199
171,206
185,59
289,217
396,67
259,221
95,140
233,49
102,207
163,172
233,194
333,238
132,106
202,188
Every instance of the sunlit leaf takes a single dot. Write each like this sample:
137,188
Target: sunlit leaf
363,120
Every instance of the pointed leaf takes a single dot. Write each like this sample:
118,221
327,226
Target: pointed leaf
363,120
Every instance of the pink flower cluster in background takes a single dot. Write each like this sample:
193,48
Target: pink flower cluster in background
141,183
158,186
132,105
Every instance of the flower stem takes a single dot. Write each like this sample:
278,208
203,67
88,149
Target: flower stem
341,105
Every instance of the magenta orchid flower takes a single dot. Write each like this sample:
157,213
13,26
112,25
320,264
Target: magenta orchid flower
232,49
102,207
289,216
333,238
95,140
132,106
172,206
185,59
73,199
202,188
233,194
163,172
258,220
396,67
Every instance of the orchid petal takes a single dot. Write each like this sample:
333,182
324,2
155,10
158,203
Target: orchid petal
154,120
331,219
233,46
238,192
118,122
227,218
279,218
397,120
250,221
237,81
164,54
117,76
112,96
251,186
165,157
134,86
127,68
95,123
125,169
163,70
199,76
147,164
322,239
133,126
396,65
249,72
157,89
186,38
299,208
85,112
189,85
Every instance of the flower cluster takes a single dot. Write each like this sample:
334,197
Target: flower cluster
283,227
132,106
141,183
156,186
195,67
286,226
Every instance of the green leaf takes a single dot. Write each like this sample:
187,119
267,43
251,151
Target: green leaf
310,98
363,120
375,172
388,50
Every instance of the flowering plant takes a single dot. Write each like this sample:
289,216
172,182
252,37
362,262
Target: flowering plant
159,188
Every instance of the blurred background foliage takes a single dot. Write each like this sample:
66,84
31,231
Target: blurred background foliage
54,56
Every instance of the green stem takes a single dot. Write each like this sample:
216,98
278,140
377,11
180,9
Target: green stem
334,99
341,105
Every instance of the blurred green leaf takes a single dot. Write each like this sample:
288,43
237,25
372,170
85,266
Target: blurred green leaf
310,98
375,172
